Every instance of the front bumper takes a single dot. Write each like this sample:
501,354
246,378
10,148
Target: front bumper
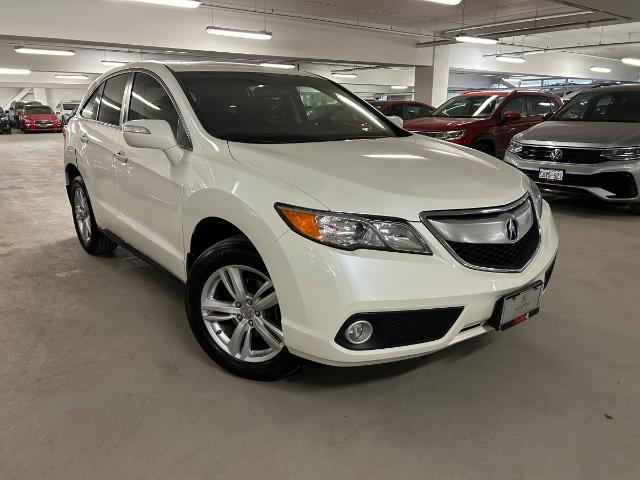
36,128
616,182
319,288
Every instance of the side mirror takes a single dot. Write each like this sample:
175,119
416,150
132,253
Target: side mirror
156,134
511,116
398,121
547,116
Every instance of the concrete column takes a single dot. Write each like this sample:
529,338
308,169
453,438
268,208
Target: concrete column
40,95
431,83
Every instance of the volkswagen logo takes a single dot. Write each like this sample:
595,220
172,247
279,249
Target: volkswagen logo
556,154
511,229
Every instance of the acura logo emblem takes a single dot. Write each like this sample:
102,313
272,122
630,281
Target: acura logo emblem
556,154
511,228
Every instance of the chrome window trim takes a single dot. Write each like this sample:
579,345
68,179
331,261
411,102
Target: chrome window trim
426,215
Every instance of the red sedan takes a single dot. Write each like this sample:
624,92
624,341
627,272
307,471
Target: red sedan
39,118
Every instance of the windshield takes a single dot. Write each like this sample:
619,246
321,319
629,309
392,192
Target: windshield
616,106
37,110
469,106
277,108
70,106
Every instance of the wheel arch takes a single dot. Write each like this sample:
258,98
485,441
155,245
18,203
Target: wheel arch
490,139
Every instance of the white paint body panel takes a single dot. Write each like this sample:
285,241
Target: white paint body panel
156,207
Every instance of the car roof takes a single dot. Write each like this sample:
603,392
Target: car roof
223,67
500,93
629,87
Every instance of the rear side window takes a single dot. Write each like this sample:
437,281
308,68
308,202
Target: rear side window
395,110
540,105
150,101
90,109
111,102
517,104
416,111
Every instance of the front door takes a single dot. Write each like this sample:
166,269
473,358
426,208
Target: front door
148,185
508,128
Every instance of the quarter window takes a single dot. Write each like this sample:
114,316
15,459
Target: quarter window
90,109
150,101
111,102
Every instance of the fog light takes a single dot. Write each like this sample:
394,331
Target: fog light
359,332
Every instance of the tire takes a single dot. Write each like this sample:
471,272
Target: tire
230,334
89,234
484,147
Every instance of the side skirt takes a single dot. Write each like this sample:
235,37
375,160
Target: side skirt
133,250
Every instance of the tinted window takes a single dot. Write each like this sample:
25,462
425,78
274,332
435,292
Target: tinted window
37,110
394,110
269,108
150,101
539,105
416,111
111,102
90,109
467,106
620,106
69,106
19,105
517,104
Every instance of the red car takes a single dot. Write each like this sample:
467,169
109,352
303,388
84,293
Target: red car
39,118
405,109
486,121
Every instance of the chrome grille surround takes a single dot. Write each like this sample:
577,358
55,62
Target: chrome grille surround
485,227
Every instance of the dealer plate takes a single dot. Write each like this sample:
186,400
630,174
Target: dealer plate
518,307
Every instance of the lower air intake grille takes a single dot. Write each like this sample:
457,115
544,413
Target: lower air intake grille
396,329
500,256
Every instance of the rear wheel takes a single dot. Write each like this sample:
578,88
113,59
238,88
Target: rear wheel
234,313
89,234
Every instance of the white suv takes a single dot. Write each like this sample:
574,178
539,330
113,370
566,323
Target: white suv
341,239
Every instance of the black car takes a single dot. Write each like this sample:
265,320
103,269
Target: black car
4,122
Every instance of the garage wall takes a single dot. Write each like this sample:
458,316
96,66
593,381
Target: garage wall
54,95
6,94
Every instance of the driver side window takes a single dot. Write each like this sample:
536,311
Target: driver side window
517,104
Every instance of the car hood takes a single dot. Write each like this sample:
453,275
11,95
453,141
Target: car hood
583,134
439,124
397,177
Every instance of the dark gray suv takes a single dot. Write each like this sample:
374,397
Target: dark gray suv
591,145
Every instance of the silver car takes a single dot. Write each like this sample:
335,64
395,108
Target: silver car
591,145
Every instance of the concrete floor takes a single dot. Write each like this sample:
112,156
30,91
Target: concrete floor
100,376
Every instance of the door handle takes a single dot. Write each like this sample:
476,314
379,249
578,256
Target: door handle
84,138
121,156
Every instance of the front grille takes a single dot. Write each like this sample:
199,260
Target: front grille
621,184
569,155
511,256
397,329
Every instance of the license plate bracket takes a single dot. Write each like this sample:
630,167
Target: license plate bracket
506,313
551,174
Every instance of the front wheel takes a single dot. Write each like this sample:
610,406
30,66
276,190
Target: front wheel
234,313
89,234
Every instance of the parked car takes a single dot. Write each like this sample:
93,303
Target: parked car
18,112
488,120
405,109
592,145
5,127
14,110
217,175
65,108
39,118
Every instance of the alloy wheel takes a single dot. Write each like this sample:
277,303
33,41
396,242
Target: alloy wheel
240,310
82,215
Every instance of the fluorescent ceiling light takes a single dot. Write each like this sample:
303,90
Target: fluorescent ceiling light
510,59
534,52
283,66
631,61
399,87
471,39
14,71
344,75
112,63
446,2
600,69
173,3
44,51
234,32
70,76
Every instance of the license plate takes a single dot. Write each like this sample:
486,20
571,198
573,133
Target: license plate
518,307
550,174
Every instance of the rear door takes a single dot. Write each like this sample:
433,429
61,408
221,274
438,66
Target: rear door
148,186
99,131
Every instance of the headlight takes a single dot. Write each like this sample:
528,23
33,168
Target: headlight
626,153
353,232
515,147
537,197
448,135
